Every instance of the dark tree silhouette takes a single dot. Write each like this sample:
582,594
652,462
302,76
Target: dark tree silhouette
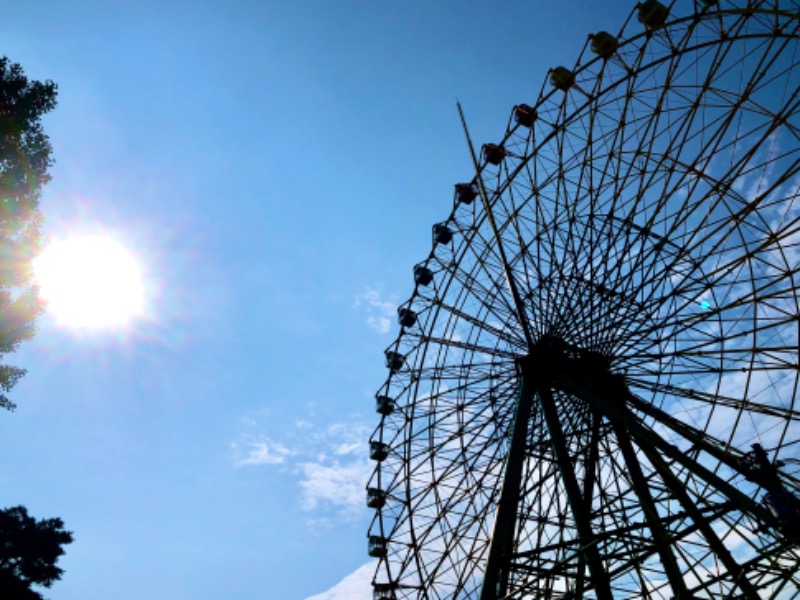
29,550
24,160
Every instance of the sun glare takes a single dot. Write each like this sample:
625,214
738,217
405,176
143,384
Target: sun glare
90,281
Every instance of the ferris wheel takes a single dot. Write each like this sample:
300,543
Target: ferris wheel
594,391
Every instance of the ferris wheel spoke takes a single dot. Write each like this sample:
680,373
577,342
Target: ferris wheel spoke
782,357
585,185
711,398
470,346
677,222
721,229
731,328
486,265
721,232
515,223
770,243
760,293
454,556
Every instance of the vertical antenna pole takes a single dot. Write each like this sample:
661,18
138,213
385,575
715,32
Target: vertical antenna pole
510,281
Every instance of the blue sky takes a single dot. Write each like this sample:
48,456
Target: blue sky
276,167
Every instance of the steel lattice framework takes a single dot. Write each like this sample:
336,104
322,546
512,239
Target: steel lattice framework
594,392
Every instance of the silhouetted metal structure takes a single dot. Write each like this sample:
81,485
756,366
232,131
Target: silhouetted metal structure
594,391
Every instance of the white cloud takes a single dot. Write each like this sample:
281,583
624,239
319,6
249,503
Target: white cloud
356,586
330,463
379,324
349,448
338,485
379,311
260,452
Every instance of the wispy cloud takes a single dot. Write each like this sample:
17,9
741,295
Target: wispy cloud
330,463
259,452
379,311
335,484
338,469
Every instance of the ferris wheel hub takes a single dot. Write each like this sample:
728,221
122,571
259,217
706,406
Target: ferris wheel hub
559,365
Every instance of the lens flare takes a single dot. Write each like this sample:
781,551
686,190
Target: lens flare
90,281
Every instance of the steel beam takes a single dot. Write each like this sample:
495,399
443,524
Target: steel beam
589,478
678,490
580,511
645,436
656,525
495,579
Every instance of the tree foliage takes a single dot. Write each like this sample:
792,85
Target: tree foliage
25,156
29,550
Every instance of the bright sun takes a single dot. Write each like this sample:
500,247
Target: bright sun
90,281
